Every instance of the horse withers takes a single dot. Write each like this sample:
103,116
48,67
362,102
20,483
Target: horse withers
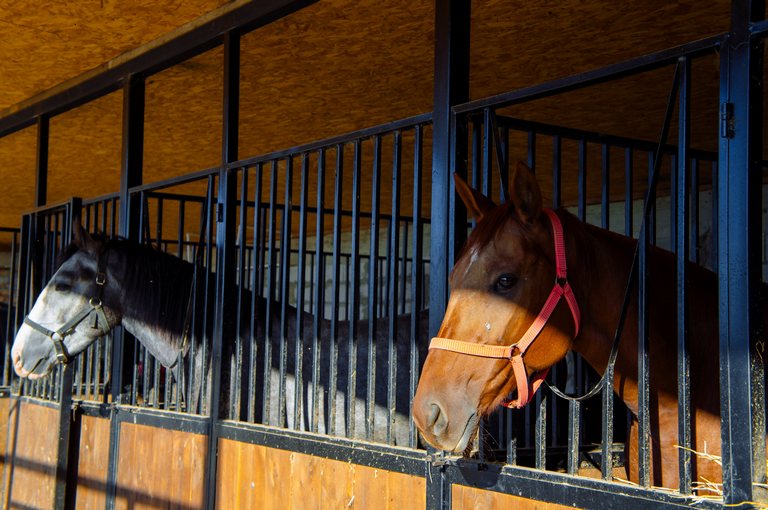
505,306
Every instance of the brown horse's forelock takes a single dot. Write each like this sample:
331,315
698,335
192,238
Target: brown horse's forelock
487,228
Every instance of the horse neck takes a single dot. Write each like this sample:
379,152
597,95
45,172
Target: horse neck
599,263
154,300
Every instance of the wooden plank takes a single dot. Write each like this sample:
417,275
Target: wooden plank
469,498
159,468
252,476
31,452
92,463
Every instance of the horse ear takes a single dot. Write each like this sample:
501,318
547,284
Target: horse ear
82,238
477,204
524,193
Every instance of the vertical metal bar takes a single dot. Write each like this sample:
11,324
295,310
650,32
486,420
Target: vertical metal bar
477,153
582,180
226,217
241,347
319,292
557,170
715,218
271,284
628,192
643,367
285,276
682,250
531,156
417,273
605,196
130,176
693,244
487,152
673,169
41,174
256,289
392,286
650,221
540,432
574,421
739,278
354,285
333,344
301,271
606,466
373,288
449,148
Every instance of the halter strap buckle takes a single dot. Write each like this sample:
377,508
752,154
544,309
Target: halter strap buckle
58,337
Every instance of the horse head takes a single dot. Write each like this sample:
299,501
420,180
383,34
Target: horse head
499,288
77,306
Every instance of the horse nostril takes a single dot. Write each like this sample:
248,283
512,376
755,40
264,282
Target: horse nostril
437,419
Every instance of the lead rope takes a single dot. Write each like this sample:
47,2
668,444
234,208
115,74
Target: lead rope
636,257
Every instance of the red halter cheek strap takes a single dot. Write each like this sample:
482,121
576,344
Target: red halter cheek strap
514,353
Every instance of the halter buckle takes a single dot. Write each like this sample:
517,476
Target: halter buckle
95,302
101,278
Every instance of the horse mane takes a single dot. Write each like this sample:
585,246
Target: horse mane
156,285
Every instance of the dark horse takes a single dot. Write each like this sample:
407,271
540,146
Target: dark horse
101,284
500,283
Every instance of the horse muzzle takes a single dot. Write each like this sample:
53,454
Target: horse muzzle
448,427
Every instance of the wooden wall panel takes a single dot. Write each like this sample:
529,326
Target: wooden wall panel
93,461
160,468
252,476
31,448
469,498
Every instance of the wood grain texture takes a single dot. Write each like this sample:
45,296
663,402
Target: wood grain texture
31,449
469,498
93,462
252,476
160,468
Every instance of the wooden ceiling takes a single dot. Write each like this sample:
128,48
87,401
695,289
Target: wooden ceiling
335,66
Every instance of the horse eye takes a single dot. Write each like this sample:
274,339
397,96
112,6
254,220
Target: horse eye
62,287
504,283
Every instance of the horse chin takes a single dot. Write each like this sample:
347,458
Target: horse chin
470,429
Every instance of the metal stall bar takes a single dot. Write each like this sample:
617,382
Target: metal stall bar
417,272
225,285
333,344
256,290
301,272
317,327
353,284
394,251
373,287
285,273
682,253
271,284
738,267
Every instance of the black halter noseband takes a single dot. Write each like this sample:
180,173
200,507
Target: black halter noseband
96,305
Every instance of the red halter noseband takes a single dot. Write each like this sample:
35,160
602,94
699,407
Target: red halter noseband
514,353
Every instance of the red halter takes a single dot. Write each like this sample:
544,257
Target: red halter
514,353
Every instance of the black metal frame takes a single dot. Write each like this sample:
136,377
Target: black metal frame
736,177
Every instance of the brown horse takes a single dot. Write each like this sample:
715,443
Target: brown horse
501,282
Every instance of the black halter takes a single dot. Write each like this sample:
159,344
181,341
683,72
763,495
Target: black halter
95,305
